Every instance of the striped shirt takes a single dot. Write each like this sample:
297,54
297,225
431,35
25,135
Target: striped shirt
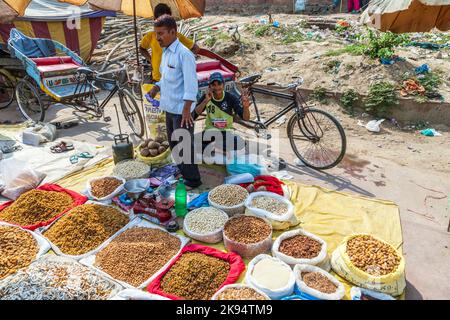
179,78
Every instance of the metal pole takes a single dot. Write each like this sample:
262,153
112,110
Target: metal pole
136,33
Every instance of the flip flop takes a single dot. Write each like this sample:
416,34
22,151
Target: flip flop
62,147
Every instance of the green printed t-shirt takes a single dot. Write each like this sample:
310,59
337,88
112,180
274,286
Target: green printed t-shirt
219,113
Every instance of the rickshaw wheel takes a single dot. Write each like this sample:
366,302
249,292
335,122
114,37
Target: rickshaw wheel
29,101
7,85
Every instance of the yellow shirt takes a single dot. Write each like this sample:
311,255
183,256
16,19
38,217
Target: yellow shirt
150,42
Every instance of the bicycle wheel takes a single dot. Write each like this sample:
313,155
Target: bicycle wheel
317,139
29,101
6,90
130,110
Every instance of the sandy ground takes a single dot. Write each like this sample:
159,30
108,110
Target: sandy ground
397,165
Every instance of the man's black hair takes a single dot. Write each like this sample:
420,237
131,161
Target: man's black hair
166,21
162,9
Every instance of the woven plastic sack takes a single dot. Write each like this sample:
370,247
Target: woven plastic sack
109,197
213,237
303,288
321,260
238,285
237,266
77,198
250,250
273,294
134,294
279,222
393,284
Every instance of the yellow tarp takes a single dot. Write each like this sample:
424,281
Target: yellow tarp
330,215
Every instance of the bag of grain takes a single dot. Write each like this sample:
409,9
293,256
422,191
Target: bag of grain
239,292
229,198
317,283
134,294
155,118
277,209
301,247
205,224
105,188
382,271
271,276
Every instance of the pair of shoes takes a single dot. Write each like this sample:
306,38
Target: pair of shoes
62,147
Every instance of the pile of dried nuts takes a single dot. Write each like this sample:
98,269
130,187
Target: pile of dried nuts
247,229
56,278
372,256
195,276
240,293
18,249
36,206
137,254
300,247
131,169
205,220
228,195
103,187
270,204
85,228
319,282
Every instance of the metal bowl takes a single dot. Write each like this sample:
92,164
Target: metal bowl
135,188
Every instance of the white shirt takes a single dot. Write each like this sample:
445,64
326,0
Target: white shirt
179,78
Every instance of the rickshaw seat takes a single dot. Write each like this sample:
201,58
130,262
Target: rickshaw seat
54,66
205,69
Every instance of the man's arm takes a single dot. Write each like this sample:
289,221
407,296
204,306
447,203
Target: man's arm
204,102
189,69
241,107
146,54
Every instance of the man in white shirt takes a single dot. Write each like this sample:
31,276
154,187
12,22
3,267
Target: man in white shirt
179,88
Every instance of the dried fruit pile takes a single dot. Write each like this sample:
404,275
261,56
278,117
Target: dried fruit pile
36,206
240,293
247,229
319,282
270,204
103,187
150,148
55,279
85,228
137,254
18,249
228,195
195,276
300,247
372,256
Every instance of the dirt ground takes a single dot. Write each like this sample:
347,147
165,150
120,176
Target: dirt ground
395,164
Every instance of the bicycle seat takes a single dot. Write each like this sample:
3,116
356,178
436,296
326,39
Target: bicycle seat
86,71
250,79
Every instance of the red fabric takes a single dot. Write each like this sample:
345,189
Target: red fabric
49,61
271,184
77,198
353,5
237,266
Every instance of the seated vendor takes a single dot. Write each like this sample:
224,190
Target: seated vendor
221,107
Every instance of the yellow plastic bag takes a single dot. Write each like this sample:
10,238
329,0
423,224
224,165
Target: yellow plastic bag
155,118
393,284
158,161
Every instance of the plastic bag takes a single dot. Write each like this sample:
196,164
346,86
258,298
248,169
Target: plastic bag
237,285
303,288
39,133
109,197
18,178
273,294
321,260
134,294
374,125
357,293
155,118
250,163
393,284
279,222
213,237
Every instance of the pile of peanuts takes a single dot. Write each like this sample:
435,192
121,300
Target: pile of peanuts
372,256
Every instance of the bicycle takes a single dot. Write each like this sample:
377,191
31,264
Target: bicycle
313,128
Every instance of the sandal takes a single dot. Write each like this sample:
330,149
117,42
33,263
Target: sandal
62,147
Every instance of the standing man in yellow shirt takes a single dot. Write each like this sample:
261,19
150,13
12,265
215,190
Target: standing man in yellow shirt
150,42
